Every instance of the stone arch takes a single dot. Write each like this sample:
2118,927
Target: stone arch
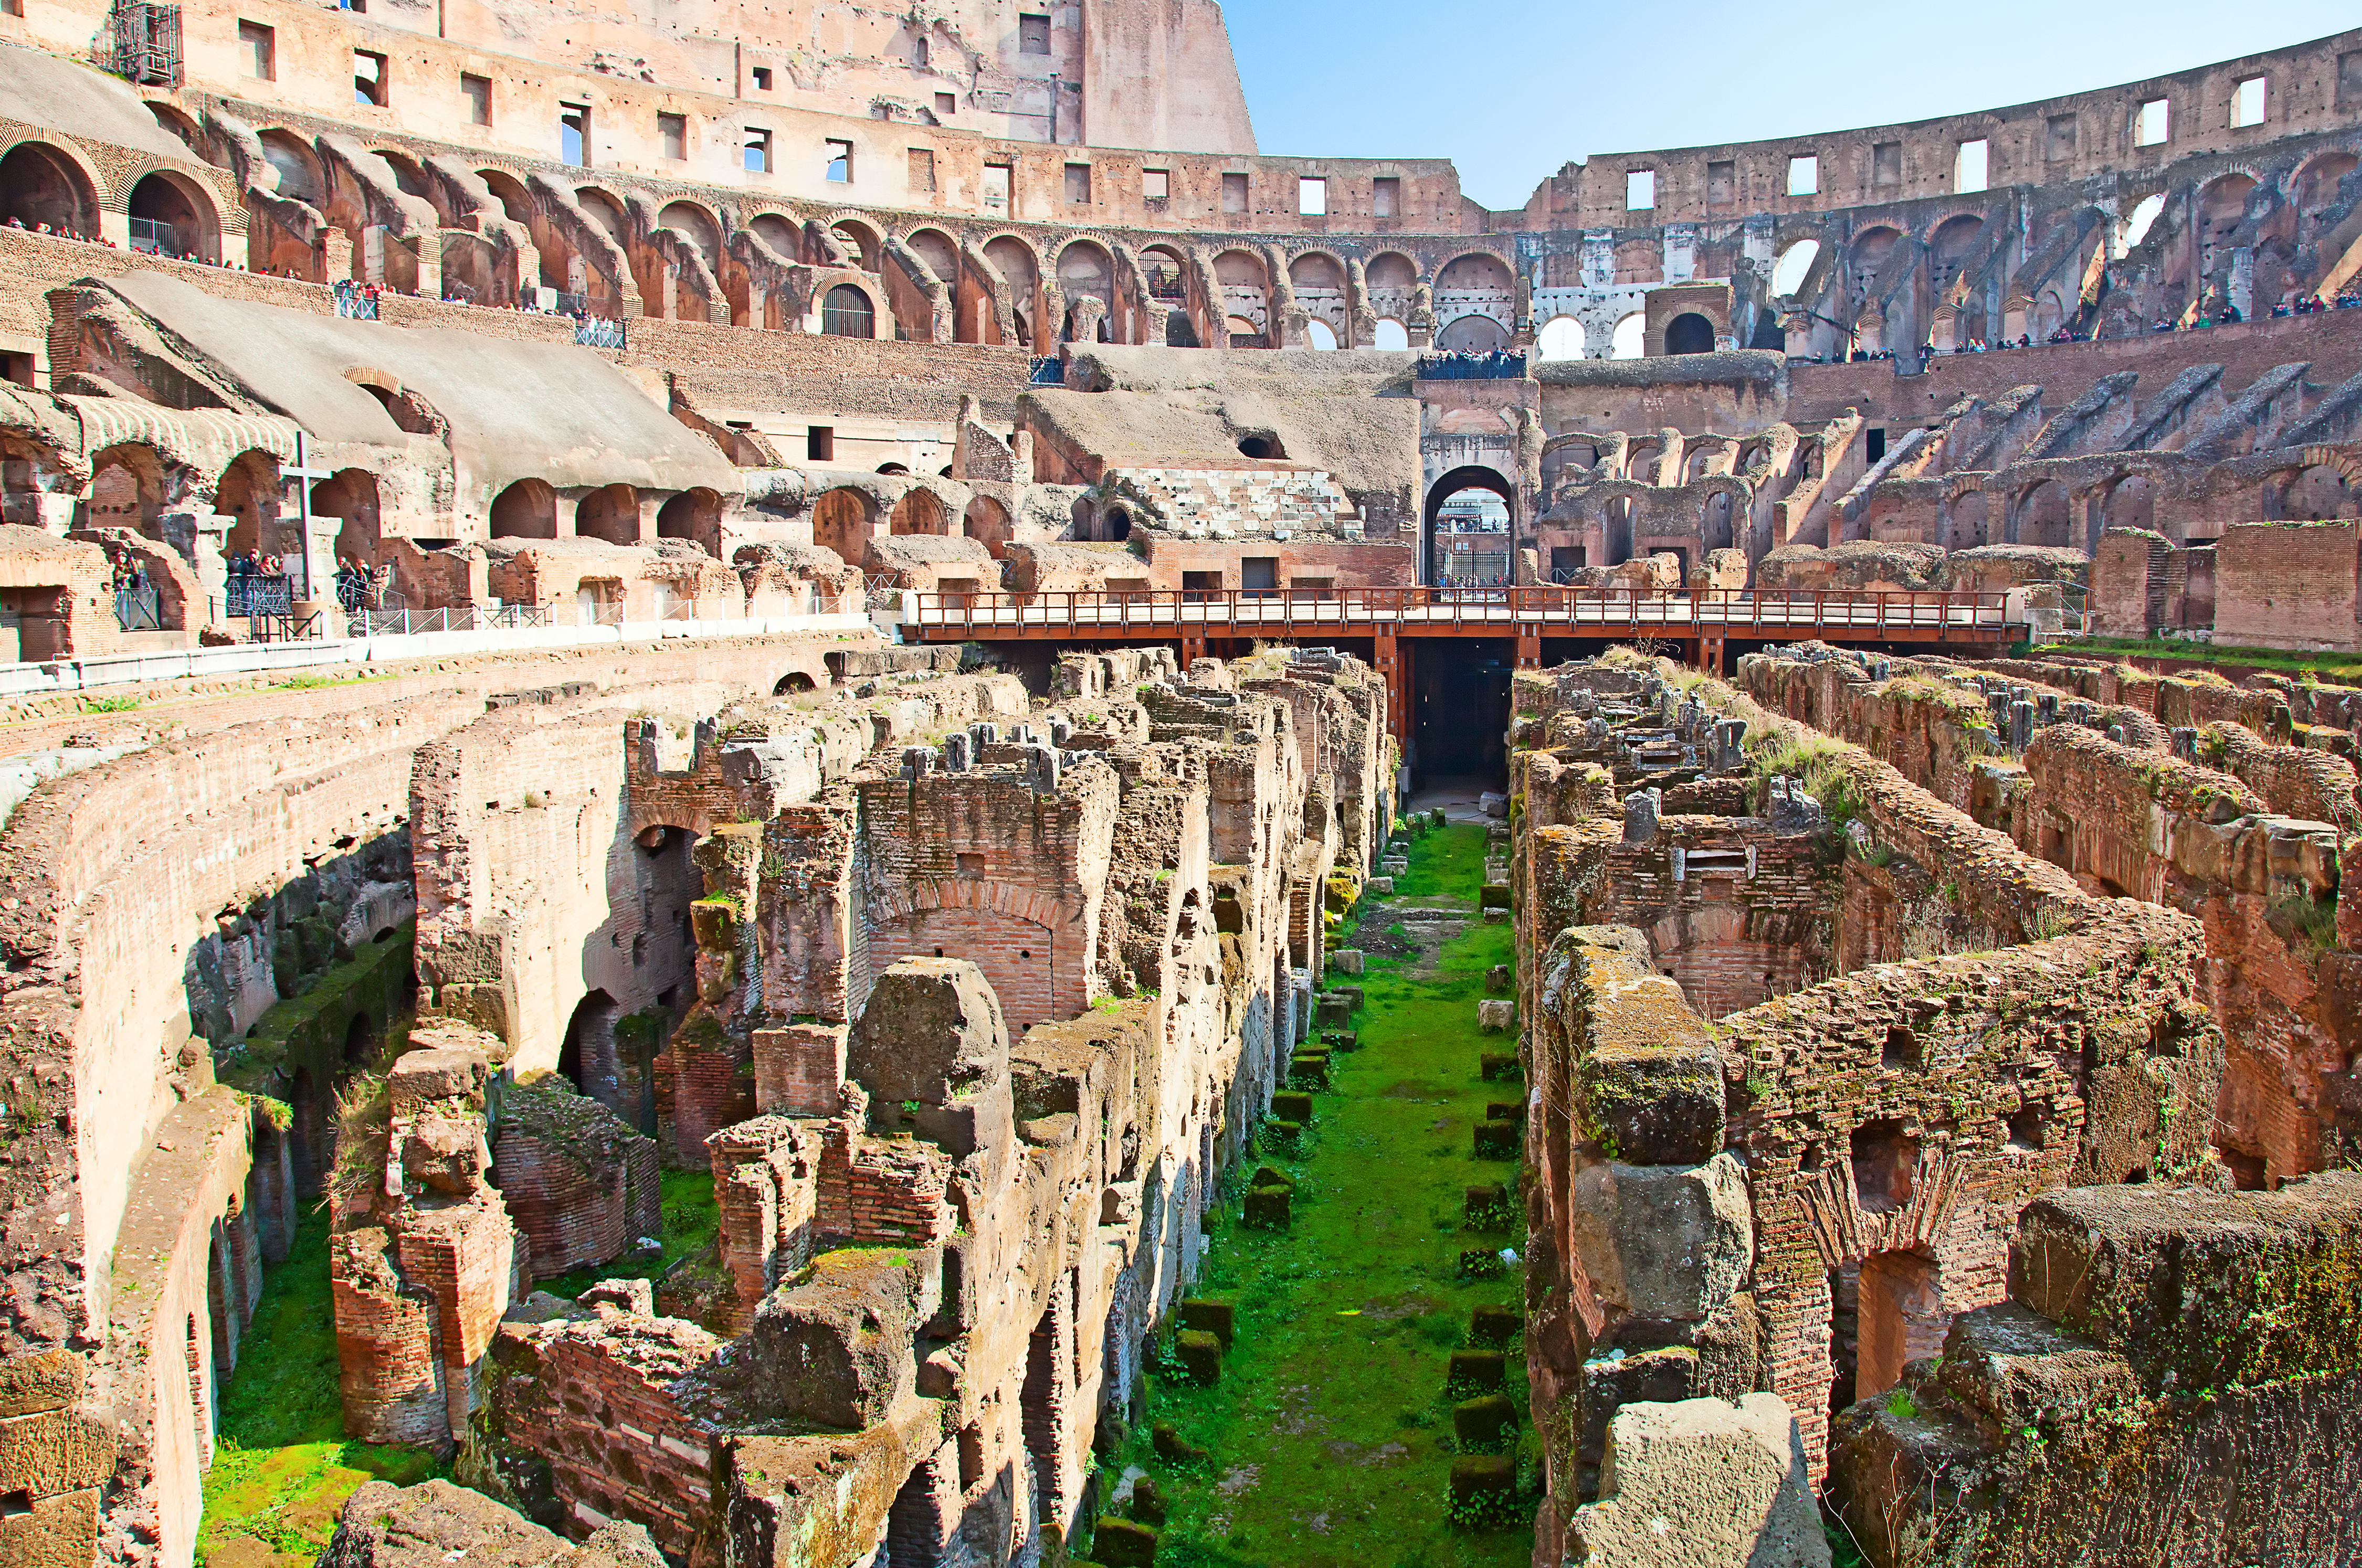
1021,267
184,209
1391,270
846,520
695,517
2320,492
1794,263
2221,205
1865,256
1086,271
920,512
351,494
861,237
1949,246
2317,182
44,183
1245,283
525,510
605,209
1319,280
183,127
2130,503
781,233
1474,476
1965,522
516,203
300,177
250,490
848,311
610,512
939,251
1631,340
695,223
1390,335
987,521
1559,339
128,488
1689,332
1471,334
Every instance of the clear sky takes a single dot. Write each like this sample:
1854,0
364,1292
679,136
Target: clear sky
1510,90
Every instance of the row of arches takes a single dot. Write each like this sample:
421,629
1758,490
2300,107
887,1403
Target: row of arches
43,183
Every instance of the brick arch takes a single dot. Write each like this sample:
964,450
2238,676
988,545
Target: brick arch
982,894
1033,950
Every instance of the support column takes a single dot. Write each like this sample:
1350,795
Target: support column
1529,652
1389,662
1193,648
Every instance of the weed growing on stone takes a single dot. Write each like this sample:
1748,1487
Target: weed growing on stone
1330,1435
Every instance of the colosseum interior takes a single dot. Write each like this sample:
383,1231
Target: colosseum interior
817,790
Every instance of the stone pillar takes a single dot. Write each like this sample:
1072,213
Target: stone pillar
955,752
2021,725
2185,744
1640,810
199,537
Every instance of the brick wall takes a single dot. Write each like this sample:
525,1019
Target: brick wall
2286,585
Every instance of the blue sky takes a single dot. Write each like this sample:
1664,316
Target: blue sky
1509,90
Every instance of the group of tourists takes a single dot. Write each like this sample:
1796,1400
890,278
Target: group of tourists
1495,364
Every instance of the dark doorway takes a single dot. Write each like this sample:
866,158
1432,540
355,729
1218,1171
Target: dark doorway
1459,695
1689,332
586,1057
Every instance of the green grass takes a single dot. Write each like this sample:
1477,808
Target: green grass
110,704
1329,1431
690,1224
2337,669
283,1467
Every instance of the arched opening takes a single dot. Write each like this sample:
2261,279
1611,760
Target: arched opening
1086,271
1316,334
2144,218
779,235
987,521
606,212
1319,280
40,185
360,1040
696,224
1948,251
1390,335
860,240
1789,272
351,494
1021,270
250,490
1472,335
795,683
1900,1316
695,517
1474,286
585,1057
1559,339
172,216
506,188
1631,340
1964,526
918,513
933,246
2318,494
610,512
2132,504
298,166
1470,517
1262,446
127,490
410,413
844,520
527,510
1689,332
846,313
1246,298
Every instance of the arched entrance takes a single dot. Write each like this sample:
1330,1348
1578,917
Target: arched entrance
1479,530
527,510
694,515
171,217
844,520
846,313
39,185
610,512
1689,332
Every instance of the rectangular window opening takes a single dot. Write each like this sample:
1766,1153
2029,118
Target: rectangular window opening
672,135
574,135
1721,184
476,92
1157,185
2154,123
1312,198
820,444
1385,197
1640,190
1886,163
1033,34
1235,193
762,74
919,52
1078,184
1804,176
840,161
946,105
999,180
2248,102
1877,442
922,170
369,78
2349,79
1970,169
258,51
758,151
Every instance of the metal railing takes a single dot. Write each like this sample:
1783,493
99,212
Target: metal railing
155,237
1047,370
1498,365
251,596
596,332
1530,610
405,622
138,609
355,303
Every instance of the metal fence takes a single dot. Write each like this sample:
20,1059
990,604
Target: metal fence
592,332
139,608
1499,365
1048,371
145,43
355,303
253,596
405,622
158,238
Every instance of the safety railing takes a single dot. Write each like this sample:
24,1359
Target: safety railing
355,303
594,332
158,238
1531,609
254,596
139,608
1048,371
403,622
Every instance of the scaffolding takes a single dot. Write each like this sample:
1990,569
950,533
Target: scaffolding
146,43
